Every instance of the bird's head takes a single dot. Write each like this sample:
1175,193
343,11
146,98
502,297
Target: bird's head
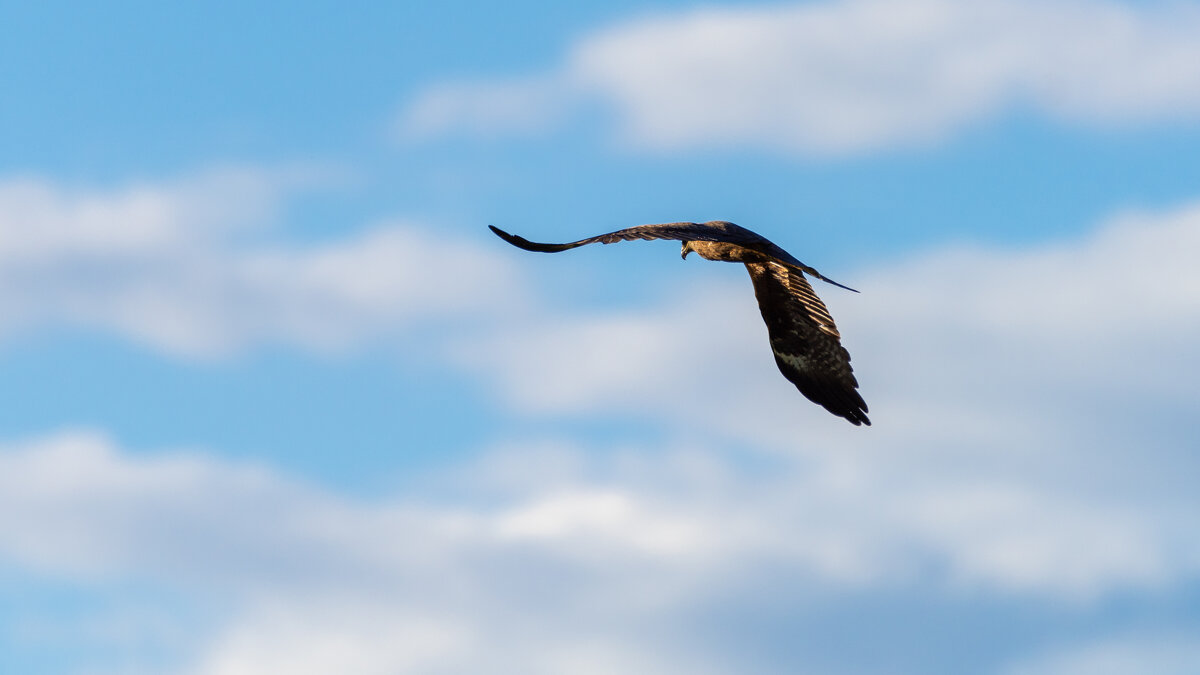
686,249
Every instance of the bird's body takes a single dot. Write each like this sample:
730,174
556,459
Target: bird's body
804,338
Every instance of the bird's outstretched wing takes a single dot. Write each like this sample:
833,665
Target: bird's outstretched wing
677,231
806,343
717,230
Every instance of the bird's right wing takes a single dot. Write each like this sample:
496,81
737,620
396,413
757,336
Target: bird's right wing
805,341
675,231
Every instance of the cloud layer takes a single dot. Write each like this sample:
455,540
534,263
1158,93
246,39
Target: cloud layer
1035,418
847,76
192,267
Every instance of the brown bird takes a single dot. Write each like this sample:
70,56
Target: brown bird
804,339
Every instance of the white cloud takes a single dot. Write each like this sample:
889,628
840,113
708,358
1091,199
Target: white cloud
557,362
172,265
558,579
334,636
850,76
523,106
45,223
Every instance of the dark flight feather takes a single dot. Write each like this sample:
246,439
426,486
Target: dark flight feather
803,336
805,341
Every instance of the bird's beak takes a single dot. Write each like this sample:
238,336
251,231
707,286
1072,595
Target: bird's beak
686,249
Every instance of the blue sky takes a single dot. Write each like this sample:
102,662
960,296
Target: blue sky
275,400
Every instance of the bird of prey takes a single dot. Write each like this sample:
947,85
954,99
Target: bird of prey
805,341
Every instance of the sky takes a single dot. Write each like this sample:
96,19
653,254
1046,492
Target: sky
273,398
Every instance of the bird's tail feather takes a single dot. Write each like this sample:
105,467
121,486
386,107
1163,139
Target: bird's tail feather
813,273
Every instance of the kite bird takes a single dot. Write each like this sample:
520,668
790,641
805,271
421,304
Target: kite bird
805,341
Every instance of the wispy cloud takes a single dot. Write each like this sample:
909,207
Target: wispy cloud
46,223
848,76
527,106
1168,654
191,267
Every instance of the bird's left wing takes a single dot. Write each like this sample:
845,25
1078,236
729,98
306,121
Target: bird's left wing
676,231
805,341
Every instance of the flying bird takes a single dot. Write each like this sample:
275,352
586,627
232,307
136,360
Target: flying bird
804,339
